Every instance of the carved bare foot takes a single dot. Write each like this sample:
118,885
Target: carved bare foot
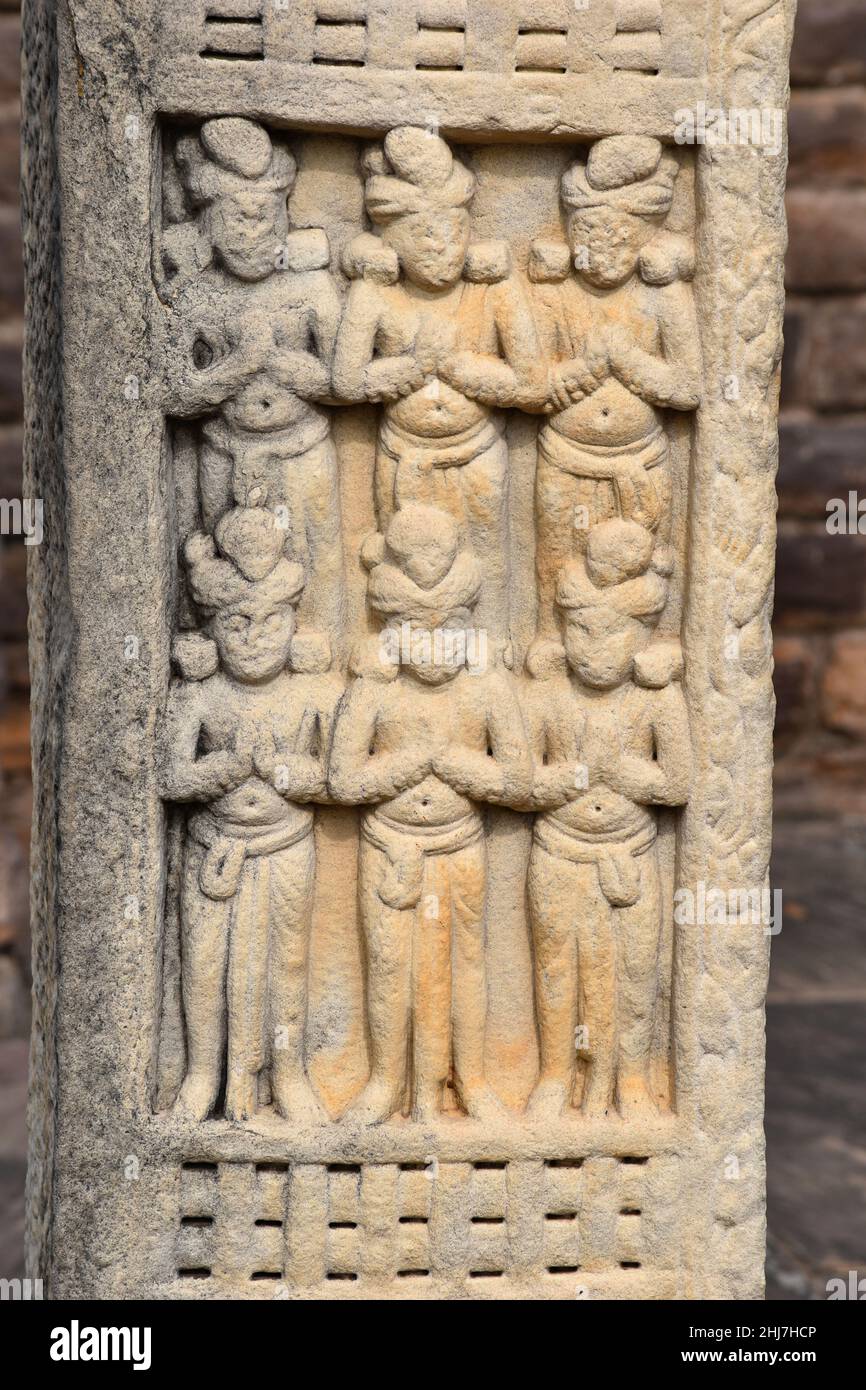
482,1104
197,1096
242,1096
298,1102
634,1096
597,1102
375,1104
427,1105
548,1100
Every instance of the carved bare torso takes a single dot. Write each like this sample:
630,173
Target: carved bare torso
613,414
246,350
436,410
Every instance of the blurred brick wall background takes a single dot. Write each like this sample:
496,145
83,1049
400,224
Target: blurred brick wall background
821,586
821,591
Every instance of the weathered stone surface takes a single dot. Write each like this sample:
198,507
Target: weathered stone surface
408,562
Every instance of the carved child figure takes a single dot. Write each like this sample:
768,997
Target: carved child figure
623,339
246,748
611,743
421,741
254,335
442,335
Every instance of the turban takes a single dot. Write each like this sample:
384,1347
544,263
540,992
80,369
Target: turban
422,575
244,567
630,173
414,171
230,156
617,572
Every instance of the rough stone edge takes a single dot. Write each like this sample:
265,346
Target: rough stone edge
728,825
49,616
717,1273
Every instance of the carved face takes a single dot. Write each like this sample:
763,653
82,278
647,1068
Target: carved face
601,646
247,228
431,247
435,656
254,644
606,244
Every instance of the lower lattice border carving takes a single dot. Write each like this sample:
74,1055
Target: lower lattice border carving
555,1228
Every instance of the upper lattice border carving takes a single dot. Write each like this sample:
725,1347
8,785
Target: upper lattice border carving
544,37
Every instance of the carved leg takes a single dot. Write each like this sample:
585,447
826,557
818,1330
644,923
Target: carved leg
310,486
467,870
204,953
555,492
484,485
639,931
215,468
388,942
385,484
554,888
247,972
431,990
597,934
293,874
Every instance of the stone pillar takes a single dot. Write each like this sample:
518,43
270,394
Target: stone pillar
402,397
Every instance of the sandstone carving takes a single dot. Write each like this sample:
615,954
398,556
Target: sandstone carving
440,332
255,333
402,645
622,339
611,743
246,747
424,742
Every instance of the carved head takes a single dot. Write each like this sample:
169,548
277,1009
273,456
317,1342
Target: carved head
611,598
425,587
240,181
418,193
615,204
247,591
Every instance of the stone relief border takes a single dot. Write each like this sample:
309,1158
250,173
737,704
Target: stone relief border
83,894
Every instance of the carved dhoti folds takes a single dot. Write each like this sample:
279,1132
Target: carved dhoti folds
608,481
466,475
615,857
247,907
422,903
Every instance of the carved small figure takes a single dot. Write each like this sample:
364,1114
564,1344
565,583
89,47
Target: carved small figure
421,741
245,747
251,350
443,335
623,339
611,742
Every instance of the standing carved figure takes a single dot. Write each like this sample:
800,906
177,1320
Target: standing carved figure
622,336
245,747
443,336
611,742
254,334
421,742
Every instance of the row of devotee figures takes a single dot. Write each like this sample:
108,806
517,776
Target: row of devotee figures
444,336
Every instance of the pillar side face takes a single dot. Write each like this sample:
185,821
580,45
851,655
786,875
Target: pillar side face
402,394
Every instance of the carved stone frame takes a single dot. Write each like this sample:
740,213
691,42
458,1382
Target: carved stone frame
104,1172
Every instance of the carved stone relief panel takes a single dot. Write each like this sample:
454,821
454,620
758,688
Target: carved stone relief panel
444,540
